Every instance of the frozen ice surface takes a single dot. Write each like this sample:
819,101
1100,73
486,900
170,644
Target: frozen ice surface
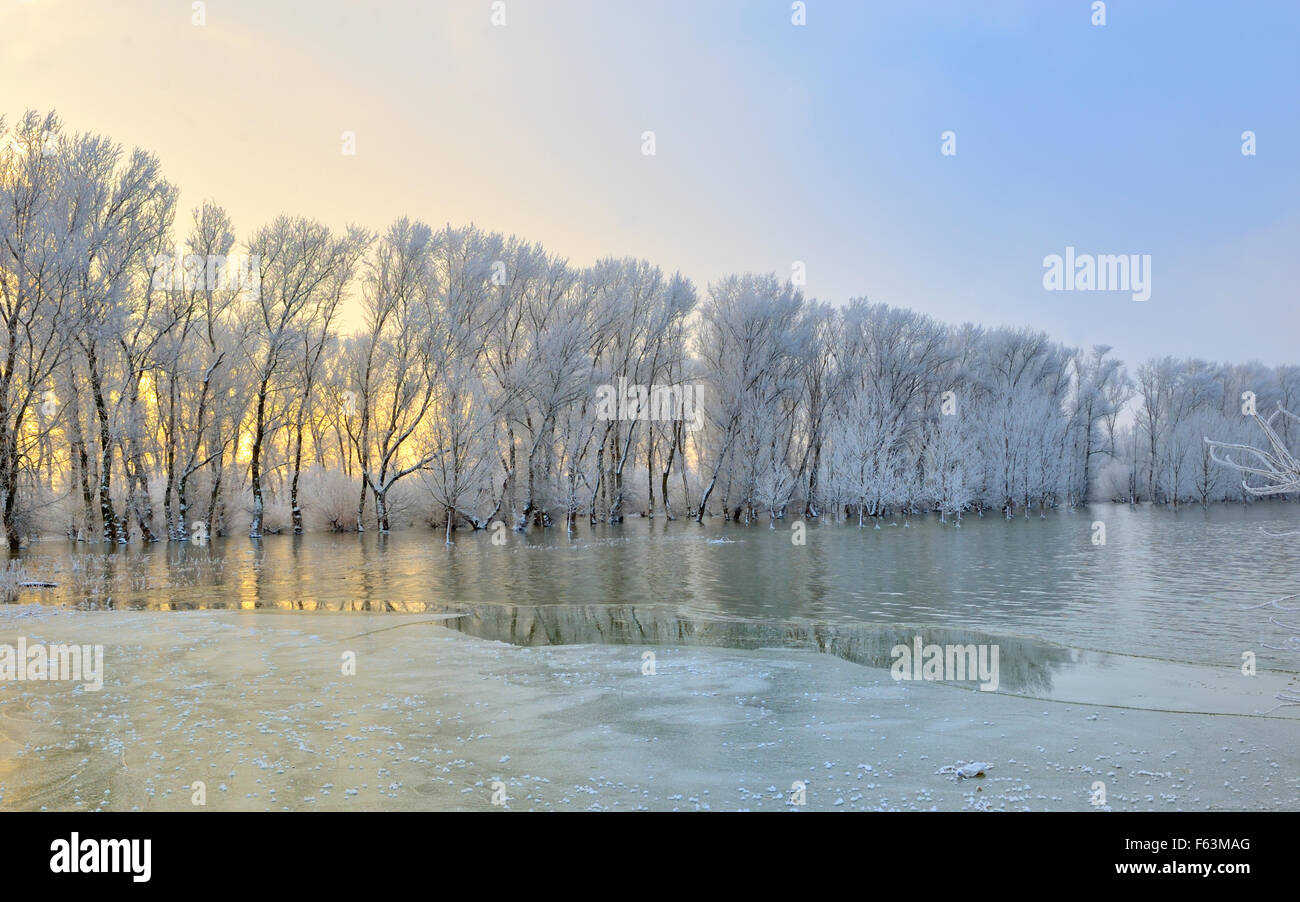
256,705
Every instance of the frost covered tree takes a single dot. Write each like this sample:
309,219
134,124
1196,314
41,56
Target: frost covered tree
119,210
462,433
948,458
191,372
397,363
639,340
303,267
40,235
141,398
746,351
1101,386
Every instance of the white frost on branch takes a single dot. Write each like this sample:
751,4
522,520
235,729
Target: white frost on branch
1280,472
1277,466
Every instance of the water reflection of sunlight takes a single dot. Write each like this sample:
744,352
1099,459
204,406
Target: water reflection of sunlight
1165,584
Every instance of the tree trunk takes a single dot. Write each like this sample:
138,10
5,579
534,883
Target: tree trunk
107,515
255,465
293,486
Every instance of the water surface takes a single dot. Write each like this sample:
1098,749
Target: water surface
1165,584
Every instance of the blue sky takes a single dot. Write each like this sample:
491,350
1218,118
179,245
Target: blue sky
775,143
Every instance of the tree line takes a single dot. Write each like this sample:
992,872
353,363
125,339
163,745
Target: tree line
162,379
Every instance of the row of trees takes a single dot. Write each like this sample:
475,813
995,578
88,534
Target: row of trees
151,393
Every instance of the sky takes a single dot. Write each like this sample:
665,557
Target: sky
776,144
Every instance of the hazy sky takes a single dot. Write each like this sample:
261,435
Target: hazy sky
775,143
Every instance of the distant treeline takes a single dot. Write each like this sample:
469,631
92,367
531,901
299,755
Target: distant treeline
150,394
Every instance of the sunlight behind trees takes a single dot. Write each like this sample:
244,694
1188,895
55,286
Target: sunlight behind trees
164,379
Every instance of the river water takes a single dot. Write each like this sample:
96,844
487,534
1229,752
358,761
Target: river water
1165,584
